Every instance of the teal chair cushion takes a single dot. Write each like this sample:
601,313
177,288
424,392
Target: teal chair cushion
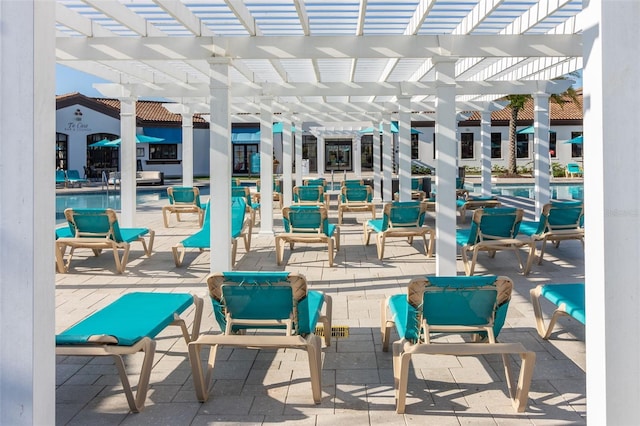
308,194
184,194
307,219
246,298
458,300
572,295
129,319
202,238
356,194
498,222
95,221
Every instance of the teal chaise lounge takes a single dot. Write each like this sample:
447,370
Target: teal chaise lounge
307,224
559,221
400,219
98,229
182,199
568,299
266,310
129,325
493,230
355,198
472,306
201,240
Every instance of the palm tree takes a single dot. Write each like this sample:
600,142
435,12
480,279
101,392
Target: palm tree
516,103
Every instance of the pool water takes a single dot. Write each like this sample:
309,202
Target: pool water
558,191
104,200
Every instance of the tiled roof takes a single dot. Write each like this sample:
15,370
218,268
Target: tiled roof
153,113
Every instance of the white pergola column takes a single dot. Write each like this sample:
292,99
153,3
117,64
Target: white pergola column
287,162
446,143
377,172
186,111
298,155
128,162
357,155
611,176
266,165
320,156
187,148
27,203
387,160
485,152
541,150
220,165
404,148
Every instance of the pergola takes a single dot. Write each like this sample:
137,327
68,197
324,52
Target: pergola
323,61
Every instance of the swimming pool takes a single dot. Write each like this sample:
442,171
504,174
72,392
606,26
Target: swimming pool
104,200
563,191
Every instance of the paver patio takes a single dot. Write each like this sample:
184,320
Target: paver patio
262,387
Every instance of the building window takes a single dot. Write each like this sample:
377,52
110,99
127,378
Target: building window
576,148
522,146
414,147
140,152
496,145
552,145
102,158
366,154
62,143
466,145
309,151
167,151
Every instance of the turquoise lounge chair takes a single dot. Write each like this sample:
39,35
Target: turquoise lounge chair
351,182
417,192
310,195
127,326
492,230
252,207
355,198
573,170
98,229
307,224
475,306
182,199
400,219
474,202
559,221
73,178
240,228
277,192
569,299
61,178
276,303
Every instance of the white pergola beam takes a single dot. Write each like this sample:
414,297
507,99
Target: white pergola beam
184,16
329,47
123,15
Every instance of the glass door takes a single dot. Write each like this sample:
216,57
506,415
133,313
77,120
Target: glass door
242,155
338,155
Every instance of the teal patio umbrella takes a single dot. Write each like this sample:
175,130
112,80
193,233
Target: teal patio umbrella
116,142
529,131
577,140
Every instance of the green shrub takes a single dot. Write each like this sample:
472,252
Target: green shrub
419,170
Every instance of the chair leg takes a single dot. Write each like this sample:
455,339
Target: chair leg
337,238
178,254
330,250
326,319
136,404
165,219
315,366
380,240
385,327
524,381
402,361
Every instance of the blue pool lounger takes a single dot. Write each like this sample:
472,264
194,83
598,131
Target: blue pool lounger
569,299
129,325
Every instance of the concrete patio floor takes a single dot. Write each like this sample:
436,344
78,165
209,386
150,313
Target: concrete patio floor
263,387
